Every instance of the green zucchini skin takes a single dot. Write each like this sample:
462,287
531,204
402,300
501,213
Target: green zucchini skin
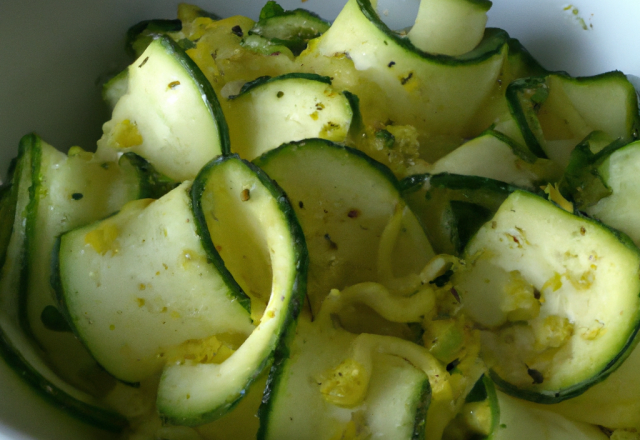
268,112
252,85
583,182
447,194
292,29
141,34
171,404
573,99
490,46
557,219
7,214
17,349
320,178
163,136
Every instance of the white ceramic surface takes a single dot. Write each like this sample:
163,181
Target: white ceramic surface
54,53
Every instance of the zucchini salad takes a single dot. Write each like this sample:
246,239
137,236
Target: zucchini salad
292,229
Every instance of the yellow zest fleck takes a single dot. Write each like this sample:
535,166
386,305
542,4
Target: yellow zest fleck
520,301
593,332
175,315
142,286
209,350
552,332
141,302
554,195
554,283
104,238
345,385
112,327
314,116
582,281
126,134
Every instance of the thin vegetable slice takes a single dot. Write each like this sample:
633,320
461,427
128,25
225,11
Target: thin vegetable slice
121,283
250,221
557,294
169,114
271,111
344,201
21,352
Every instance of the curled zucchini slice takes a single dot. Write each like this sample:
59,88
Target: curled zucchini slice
20,351
165,111
557,295
255,232
269,112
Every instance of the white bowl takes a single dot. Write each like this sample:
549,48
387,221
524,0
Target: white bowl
54,54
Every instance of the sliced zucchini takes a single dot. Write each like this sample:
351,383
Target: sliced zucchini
20,351
344,201
492,415
136,318
495,156
584,180
264,46
255,230
452,207
612,402
449,27
66,192
292,29
228,39
141,34
554,113
115,88
333,370
8,198
518,420
269,112
439,95
539,279
169,114
609,188
322,392
242,422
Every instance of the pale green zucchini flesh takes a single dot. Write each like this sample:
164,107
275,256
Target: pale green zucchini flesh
122,285
395,405
495,156
169,113
449,27
269,112
397,81
555,112
344,201
19,350
452,207
619,174
254,229
490,414
539,280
